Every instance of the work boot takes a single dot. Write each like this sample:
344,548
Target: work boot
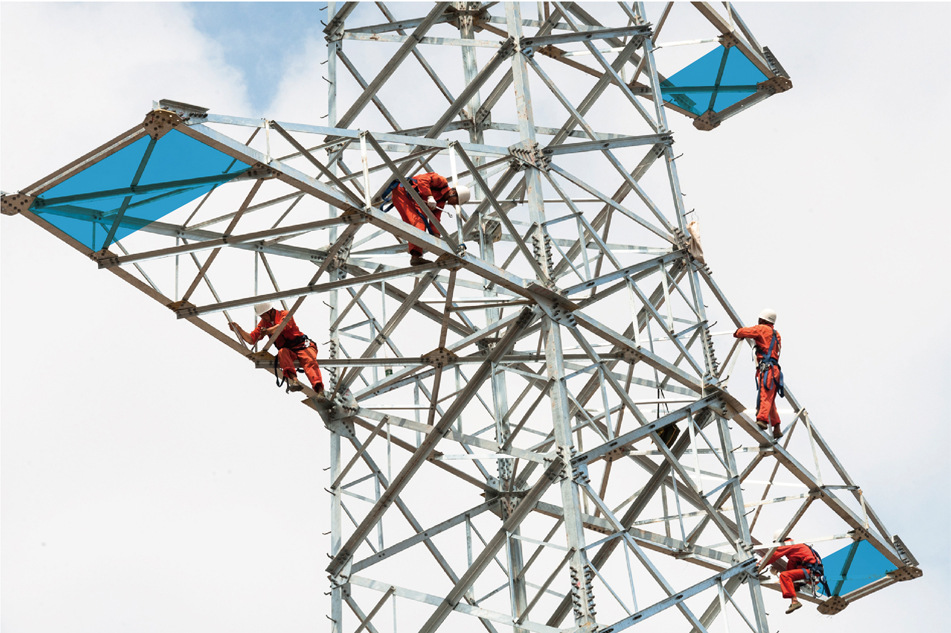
793,607
763,424
293,384
777,432
418,260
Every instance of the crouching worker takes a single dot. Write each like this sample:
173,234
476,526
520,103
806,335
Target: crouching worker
291,345
436,193
802,564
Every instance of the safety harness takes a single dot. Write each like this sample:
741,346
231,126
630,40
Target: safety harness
387,197
763,370
295,345
818,571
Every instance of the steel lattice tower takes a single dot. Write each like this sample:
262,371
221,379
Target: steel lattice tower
498,419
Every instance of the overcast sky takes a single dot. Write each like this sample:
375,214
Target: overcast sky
150,483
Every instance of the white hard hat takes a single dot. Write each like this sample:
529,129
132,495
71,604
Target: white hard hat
768,314
778,533
463,193
261,308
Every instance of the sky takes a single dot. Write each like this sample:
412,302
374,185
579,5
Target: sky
148,486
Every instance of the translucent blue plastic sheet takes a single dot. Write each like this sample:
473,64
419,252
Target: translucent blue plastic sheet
693,87
178,170
855,566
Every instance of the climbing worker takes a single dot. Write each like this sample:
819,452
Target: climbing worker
802,564
291,344
436,193
769,375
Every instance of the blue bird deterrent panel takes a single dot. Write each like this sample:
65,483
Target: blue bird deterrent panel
855,566
178,170
692,88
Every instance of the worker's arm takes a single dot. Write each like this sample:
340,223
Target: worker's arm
237,329
745,332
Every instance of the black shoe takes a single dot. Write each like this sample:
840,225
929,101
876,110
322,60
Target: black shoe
777,432
762,424
418,260
293,384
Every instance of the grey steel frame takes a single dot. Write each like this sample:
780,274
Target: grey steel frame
555,255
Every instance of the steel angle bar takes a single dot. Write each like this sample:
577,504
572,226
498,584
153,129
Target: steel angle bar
599,144
427,446
225,240
436,41
421,536
725,28
675,599
642,354
616,206
503,217
455,436
285,173
520,512
214,253
586,34
357,611
420,203
392,64
347,378
680,597
80,164
461,607
594,454
803,475
186,312
354,198
628,273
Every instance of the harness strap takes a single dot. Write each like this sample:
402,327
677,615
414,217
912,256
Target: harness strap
389,190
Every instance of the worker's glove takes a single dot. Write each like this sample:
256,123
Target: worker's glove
431,203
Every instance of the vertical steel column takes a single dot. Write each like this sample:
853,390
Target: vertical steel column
581,574
500,403
334,41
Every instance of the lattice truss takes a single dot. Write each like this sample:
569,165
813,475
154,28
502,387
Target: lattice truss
495,429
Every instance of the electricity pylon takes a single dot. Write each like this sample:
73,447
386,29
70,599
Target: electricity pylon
534,430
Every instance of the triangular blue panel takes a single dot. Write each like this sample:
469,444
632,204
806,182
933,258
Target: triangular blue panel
855,566
178,170
696,89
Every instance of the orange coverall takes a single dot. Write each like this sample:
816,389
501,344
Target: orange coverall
429,184
291,344
766,380
796,556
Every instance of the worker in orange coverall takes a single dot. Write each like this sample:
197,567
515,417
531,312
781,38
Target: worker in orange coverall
291,345
769,375
799,561
436,193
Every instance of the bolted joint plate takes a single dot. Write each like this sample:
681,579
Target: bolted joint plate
105,258
833,605
16,203
707,121
160,122
908,572
775,85
439,357
182,309
355,216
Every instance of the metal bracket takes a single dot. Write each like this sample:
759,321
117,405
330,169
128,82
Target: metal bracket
708,120
439,357
182,309
187,111
260,171
451,262
833,605
775,85
531,156
774,63
907,572
105,258
728,40
160,122
354,215
903,551
15,203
